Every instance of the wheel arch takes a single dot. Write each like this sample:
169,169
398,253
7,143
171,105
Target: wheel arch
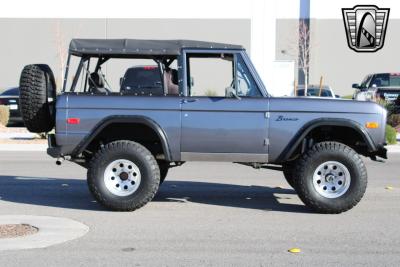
309,127
124,119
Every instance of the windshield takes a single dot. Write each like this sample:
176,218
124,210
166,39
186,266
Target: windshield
364,83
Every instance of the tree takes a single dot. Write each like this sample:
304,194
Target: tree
304,52
62,53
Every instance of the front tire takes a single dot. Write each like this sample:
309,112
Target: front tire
123,176
331,177
288,173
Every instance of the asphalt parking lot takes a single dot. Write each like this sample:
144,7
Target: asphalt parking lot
204,214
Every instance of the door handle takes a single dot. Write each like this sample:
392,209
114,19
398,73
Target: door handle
189,100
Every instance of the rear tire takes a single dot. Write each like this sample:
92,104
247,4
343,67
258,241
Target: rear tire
164,167
37,85
123,176
331,177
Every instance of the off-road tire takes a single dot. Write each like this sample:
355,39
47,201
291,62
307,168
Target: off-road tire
309,162
164,167
140,156
288,173
36,85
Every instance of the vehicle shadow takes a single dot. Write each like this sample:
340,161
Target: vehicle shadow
74,194
230,195
50,192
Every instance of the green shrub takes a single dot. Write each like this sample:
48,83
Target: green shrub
4,115
394,120
389,106
391,134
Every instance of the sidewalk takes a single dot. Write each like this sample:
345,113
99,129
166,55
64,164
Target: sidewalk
23,147
20,139
21,135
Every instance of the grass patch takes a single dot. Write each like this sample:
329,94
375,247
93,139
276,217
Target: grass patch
347,97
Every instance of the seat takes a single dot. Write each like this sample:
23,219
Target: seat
171,81
96,84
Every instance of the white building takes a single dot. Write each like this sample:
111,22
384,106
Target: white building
266,28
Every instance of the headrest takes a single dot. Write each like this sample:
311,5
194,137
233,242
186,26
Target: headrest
96,80
174,76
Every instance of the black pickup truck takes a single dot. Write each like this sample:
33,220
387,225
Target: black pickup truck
376,86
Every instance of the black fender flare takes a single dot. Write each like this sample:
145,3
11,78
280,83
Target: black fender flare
308,127
124,119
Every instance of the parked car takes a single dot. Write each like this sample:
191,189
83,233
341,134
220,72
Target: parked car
314,90
128,142
377,86
10,98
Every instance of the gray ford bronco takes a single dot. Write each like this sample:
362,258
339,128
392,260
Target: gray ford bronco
181,100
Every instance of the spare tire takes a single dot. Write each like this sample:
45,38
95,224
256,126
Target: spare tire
37,95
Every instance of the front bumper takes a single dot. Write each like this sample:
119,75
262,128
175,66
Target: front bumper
381,152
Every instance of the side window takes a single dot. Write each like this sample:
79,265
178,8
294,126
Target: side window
247,87
215,75
210,74
381,80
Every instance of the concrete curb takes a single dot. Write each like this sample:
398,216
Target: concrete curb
23,147
52,231
17,135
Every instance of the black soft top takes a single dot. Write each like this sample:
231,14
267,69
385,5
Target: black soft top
129,47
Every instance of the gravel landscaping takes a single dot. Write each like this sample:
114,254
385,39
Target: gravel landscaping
16,230
19,135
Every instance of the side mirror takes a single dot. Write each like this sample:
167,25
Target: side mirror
337,96
191,81
120,81
374,86
355,86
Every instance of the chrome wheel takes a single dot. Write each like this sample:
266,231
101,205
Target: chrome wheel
122,177
331,179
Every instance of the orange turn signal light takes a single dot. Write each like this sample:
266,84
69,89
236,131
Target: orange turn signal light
372,125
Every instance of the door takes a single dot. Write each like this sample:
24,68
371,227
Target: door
224,115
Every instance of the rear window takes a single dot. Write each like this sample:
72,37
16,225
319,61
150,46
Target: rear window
146,77
314,92
386,80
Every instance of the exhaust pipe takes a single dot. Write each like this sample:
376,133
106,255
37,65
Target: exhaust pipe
59,161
